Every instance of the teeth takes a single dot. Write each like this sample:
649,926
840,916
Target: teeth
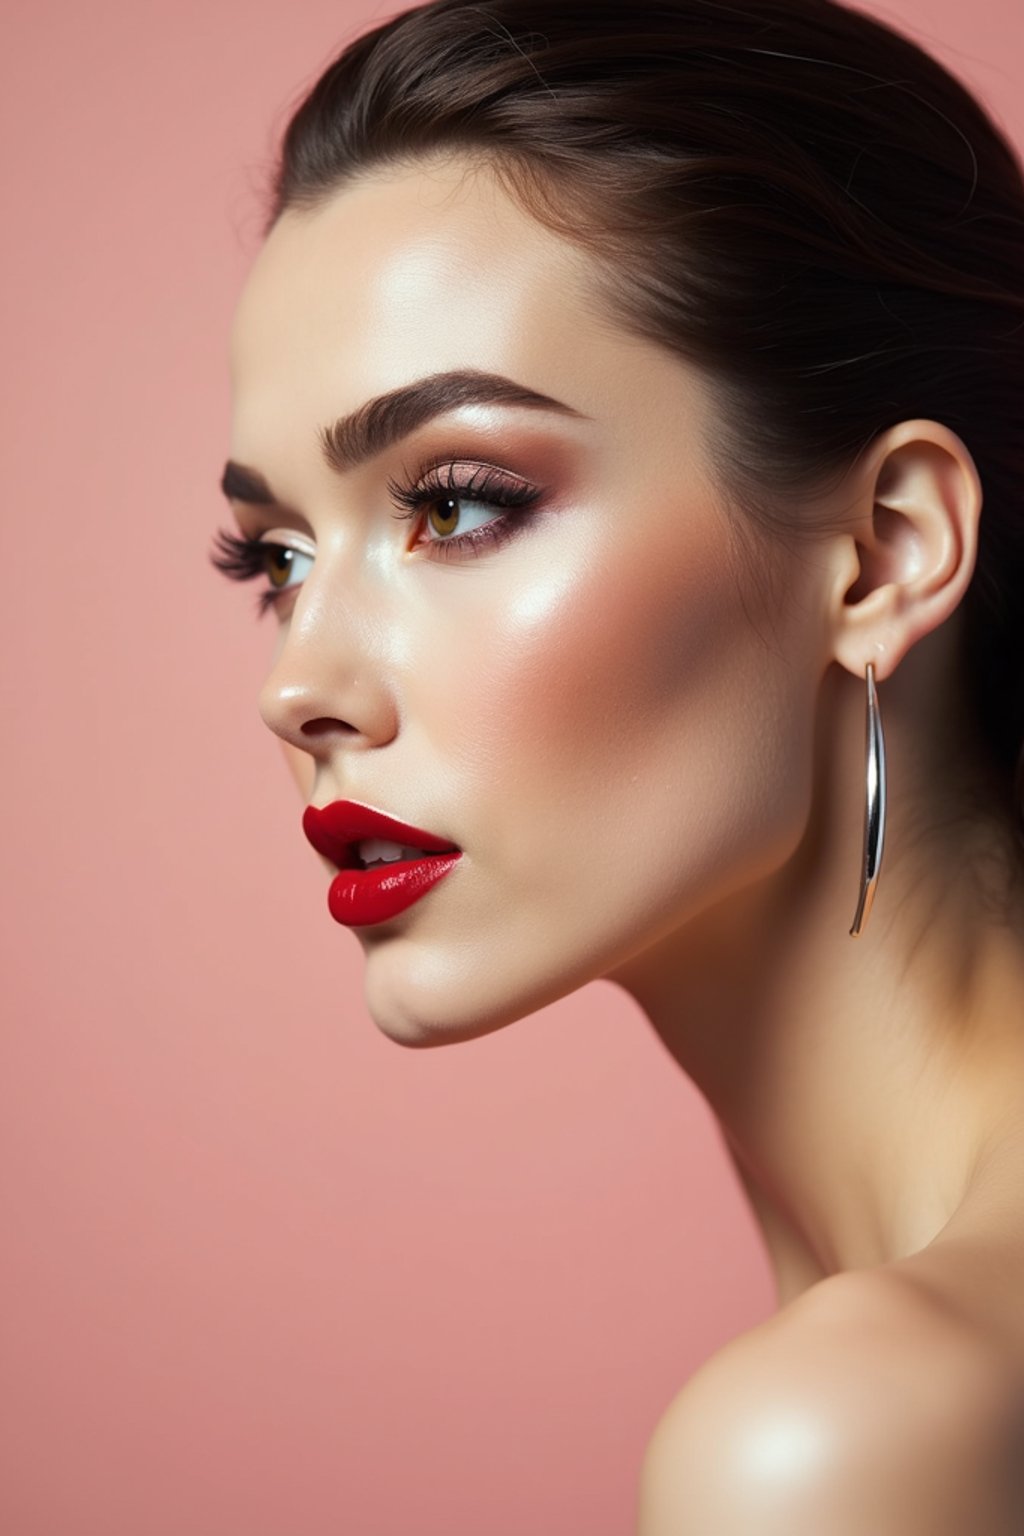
379,850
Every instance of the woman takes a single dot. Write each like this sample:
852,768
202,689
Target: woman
616,393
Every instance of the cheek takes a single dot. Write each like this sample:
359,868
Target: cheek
622,689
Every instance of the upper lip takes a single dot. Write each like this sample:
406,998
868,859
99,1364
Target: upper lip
335,829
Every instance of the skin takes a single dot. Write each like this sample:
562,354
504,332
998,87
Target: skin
655,769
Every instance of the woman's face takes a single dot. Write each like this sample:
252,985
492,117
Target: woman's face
585,705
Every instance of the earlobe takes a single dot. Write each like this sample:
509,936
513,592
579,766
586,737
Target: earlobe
914,550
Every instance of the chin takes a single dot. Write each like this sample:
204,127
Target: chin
421,998
410,1023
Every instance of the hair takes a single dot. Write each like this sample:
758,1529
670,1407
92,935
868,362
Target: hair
786,193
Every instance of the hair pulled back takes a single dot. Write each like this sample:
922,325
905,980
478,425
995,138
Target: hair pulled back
786,193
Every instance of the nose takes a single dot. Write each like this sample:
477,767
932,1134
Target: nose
329,686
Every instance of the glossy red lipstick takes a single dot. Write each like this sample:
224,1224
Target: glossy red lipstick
359,896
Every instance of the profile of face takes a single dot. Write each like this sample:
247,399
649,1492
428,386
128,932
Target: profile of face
555,661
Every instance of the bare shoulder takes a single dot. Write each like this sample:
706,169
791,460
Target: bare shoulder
868,1405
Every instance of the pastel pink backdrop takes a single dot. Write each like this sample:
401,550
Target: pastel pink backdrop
266,1273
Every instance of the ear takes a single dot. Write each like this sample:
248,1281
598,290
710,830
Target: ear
907,561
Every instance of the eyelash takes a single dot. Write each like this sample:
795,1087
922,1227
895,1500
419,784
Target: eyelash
244,558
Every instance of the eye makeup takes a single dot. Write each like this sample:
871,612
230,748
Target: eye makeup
432,500
484,485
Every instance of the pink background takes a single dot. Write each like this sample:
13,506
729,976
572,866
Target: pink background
266,1273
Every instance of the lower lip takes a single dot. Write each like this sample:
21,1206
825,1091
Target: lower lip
361,896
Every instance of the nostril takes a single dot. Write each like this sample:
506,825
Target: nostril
325,726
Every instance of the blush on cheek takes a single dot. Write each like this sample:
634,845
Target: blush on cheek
630,638
577,683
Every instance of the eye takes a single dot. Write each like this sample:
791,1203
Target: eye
499,506
447,514
245,558
279,563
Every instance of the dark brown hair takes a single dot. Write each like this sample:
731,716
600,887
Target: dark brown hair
787,193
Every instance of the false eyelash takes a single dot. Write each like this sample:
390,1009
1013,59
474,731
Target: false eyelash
490,487
243,559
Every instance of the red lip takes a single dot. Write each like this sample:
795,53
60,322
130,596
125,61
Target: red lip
335,829
358,896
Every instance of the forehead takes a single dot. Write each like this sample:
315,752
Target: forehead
426,268
404,273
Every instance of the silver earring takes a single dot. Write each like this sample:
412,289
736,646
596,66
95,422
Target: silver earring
874,808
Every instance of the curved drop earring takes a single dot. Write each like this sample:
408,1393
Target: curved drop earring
874,808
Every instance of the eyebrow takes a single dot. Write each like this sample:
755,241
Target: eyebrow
386,419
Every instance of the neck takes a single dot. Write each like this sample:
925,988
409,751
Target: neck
863,1085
